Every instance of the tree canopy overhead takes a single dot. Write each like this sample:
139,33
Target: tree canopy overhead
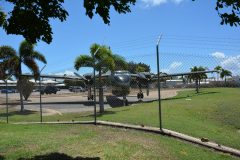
229,11
31,18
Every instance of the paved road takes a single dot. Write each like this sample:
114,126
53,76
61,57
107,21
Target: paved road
66,101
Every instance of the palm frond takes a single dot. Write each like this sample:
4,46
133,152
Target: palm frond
197,76
38,56
13,65
120,62
108,63
7,52
32,65
26,49
83,61
218,68
94,47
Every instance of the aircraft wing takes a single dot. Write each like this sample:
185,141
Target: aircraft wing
145,77
56,76
88,78
182,74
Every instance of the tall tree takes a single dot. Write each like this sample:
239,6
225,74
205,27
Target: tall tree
145,66
229,11
6,57
138,67
219,69
26,55
224,74
120,62
2,17
31,18
197,77
103,60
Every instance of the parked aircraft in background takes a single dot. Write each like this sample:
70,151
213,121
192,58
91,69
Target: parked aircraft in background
121,81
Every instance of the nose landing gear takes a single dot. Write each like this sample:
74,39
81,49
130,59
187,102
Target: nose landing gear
140,95
125,101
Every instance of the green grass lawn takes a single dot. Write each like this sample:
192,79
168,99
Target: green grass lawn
29,141
213,113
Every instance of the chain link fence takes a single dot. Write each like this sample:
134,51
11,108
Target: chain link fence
205,106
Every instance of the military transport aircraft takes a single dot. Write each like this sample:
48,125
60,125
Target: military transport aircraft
121,81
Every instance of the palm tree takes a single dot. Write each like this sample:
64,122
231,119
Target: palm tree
103,60
224,73
6,54
219,69
120,62
26,55
197,77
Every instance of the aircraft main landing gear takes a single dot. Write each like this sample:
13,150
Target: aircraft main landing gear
90,97
125,101
140,95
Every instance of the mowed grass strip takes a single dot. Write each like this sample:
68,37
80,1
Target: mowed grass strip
28,141
212,113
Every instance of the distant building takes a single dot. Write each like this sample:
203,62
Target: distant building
173,83
236,79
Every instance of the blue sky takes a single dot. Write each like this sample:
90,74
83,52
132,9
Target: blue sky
192,35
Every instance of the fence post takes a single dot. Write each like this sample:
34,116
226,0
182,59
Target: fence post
7,100
40,88
159,87
94,86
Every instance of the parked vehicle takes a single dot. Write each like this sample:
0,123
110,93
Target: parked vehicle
49,90
8,91
76,89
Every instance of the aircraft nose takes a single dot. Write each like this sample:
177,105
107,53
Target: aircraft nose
122,78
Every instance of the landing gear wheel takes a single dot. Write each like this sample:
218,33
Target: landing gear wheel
142,96
138,96
126,102
90,97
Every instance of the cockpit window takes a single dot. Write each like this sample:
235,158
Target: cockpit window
121,73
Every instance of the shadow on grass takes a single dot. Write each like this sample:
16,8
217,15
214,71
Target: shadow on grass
1,157
13,113
190,95
100,115
58,156
115,101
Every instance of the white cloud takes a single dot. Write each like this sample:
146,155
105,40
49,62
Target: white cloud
231,63
172,67
218,55
153,3
150,3
177,1
175,65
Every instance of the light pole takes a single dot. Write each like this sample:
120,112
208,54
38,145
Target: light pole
94,86
40,88
158,76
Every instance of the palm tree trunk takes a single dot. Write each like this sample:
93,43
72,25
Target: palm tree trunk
199,83
20,92
225,81
101,102
196,82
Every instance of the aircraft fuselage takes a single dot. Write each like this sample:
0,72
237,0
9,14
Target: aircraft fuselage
120,81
